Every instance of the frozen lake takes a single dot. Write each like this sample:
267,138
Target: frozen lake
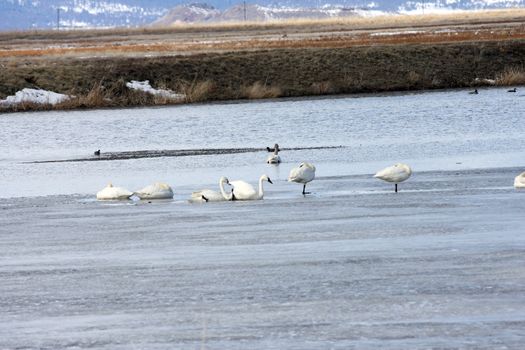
351,266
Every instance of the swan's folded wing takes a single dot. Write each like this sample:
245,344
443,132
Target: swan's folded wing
242,189
295,174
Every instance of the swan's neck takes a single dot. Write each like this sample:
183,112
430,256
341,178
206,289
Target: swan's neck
261,189
223,192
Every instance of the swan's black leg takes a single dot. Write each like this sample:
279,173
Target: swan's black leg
233,196
205,199
396,188
304,190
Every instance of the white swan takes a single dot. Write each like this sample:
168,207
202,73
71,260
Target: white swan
302,174
244,191
274,158
158,190
212,196
396,173
519,181
113,193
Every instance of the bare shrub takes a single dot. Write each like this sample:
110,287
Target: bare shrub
511,76
322,88
413,78
259,90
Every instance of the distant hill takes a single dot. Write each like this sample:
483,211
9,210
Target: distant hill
27,14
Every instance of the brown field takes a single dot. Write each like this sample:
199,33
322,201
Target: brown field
266,60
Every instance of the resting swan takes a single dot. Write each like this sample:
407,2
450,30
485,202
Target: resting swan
244,191
158,190
113,193
519,181
302,174
212,196
396,173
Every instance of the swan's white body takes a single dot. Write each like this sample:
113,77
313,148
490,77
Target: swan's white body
396,173
113,193
158,190
519,181
212,196
274,158
243,191
302,174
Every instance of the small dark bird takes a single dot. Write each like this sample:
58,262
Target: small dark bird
275,147
97,153
512,90
475,92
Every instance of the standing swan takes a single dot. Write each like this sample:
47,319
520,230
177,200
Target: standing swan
109,193
274,158
396,173
158,190
244,191
212,196
519,181
303,174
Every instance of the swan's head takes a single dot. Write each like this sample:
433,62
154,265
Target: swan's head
266,178
110,184
224,180
404,167
307,165
162,185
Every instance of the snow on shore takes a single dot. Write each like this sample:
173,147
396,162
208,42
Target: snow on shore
35,96
146,87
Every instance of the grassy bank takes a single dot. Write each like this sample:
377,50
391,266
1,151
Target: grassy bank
100,82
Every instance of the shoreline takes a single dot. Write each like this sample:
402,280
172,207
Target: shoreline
254,62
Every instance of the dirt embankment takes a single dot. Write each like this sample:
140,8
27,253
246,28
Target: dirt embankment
361,61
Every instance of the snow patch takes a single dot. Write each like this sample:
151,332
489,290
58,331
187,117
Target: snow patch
35,96
146,87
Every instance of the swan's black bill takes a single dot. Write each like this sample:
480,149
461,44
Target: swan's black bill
270,181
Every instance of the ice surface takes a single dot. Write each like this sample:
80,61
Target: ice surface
354,265
438,265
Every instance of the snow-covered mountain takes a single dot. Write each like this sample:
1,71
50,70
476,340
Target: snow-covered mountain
27,14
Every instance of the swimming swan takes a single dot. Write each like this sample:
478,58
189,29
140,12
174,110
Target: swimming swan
243,191
113,193
274,158
302,174
158,190
519,181
396,173
213,196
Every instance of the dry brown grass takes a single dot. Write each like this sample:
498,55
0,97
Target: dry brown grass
197,91
338,32
511,76
260,44
259,90
323,88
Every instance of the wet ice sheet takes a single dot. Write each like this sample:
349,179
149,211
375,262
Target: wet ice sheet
440,130
438,265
